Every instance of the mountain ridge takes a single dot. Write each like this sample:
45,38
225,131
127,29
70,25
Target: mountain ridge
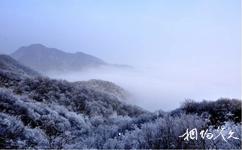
10,65
45,59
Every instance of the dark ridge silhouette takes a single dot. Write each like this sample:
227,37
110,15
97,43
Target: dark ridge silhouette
10,65
45,59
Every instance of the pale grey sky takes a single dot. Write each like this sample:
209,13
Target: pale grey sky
127,31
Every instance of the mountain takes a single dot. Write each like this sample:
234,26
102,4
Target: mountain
40,112
37,112
11,66
45,59
94,97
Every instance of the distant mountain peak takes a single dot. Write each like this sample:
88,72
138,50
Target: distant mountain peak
45,59
37,45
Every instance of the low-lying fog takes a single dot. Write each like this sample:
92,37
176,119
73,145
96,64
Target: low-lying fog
154,89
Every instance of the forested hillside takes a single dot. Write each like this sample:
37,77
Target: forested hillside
39,112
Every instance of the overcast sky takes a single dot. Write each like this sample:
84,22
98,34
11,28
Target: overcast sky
201,38
126,30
